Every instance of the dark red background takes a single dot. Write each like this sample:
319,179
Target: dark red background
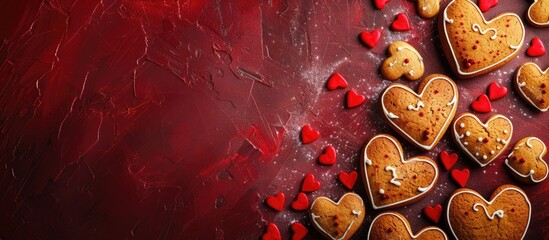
176,119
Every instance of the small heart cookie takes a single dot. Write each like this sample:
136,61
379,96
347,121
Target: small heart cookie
533,85
526,160
338,220
505,216
483,142
392,181
393,225
538,13
421,118
475,46
404,60
428,8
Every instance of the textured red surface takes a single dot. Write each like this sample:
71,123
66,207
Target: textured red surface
176,119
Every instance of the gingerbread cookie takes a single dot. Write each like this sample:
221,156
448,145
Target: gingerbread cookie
505,216
533,85
404,60
421,118
474,46
428,8
526,160
392,225
483,142
538,13
338,220
392,181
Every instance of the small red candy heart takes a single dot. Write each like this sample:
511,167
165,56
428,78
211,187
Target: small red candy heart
329,156
272,233
299,230
460,176
308,135
482,104
380,4
348,179
401,23
336,81
448,160
536,49
301,203
485,5
309,183
496,92
371,38
354,99
276,202
433,213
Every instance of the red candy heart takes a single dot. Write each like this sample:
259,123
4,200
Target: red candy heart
354,99
401,23
329,156
380,4
308,135
370,38
536,49
496,92
272,233
336,81
448,160
309,183
485,5
299,230
482,104
276,202
301,203
348,179
433,213
460,176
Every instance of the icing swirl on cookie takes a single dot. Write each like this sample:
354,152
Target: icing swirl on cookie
476,28
394,174
498,213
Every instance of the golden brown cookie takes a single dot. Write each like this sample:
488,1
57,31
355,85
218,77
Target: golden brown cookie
428,8
421,118
538,13
404,60
338,220
533,85
392,181
505,216
526,160
474,46
392,225
483,142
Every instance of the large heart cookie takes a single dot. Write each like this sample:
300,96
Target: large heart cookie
538,13
392,181
483,142
505,216
526,160
392,225
338,220
405,60
474,46
533,85
421,118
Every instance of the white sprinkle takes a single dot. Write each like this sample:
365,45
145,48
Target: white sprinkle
467,133
498,147
479,139
505,131
498,140
465,143
381,191
492,152
484,157
462,125
476,154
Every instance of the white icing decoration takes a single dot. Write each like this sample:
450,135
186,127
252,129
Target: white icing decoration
498,147
545,24
479,139
392,63
365,174
517,78
393,172
357,212
424,8
419,105
407,226
477,154
411,73
465,143
462,125
461,136
484,157
505,131
498,139
422,189
368,161
392,115
314,217
467,133
522,84
498,213
411,50
492,152
503,141
450,103
381,191
514,47
457,64
476,28
531,172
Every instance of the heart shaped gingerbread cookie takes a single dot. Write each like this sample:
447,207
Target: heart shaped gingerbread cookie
538,13
526,160
392,225
421,118
505,216
404,60
533,85
483,142
392,181
475,46
338,220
